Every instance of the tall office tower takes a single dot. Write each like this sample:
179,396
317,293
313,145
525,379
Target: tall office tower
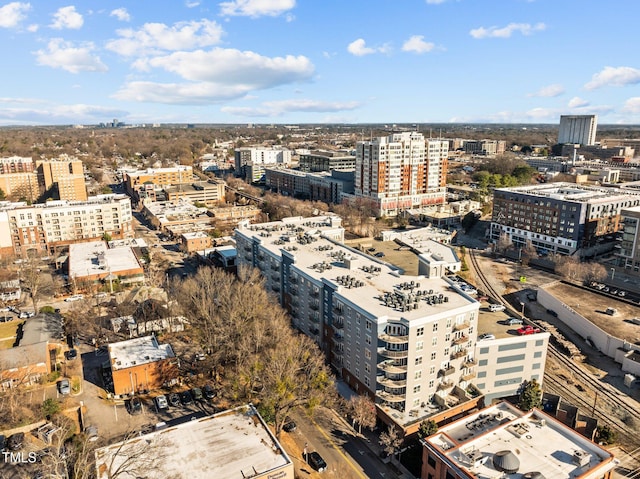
578,129
65,175
401,171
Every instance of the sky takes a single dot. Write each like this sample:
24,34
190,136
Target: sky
318,61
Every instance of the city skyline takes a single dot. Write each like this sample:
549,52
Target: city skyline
297,61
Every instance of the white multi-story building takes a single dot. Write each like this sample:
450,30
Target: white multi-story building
579,129
401,171
629,252
42,227
251,162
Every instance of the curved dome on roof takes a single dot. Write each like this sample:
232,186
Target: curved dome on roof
506,461
533,475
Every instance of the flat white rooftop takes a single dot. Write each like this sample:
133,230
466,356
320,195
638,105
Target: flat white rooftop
133,352
94,258
537,442
230,444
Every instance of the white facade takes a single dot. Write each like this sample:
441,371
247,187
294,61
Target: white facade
579,129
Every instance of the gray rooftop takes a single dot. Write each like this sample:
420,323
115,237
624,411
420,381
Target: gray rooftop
230,444
94,258
133,352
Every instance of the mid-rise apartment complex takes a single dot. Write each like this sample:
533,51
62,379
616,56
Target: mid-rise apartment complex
324,160
64,176
20,186
558,217
485,147
144,183
16,164
43,227
401,171
629,252
579,129
251,162
407,341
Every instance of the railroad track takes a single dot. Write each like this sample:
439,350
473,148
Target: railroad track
620,409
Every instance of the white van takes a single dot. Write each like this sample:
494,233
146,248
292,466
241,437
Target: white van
496,307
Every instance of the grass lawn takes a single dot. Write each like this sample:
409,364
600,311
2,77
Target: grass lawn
8,333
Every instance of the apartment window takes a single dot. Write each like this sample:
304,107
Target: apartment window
418,374
431,384
432,370
420,331
367,339
433,356
416,389
434,341
418,360
419,345
435,326
368,326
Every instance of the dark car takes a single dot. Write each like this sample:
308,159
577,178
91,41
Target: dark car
289,425
72,354
186,398
15,441
134,406
3,442
208,391
174,399
197,394
552,313
379,254
315,460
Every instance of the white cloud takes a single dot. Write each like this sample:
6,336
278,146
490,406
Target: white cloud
67,17
614,76
549,91
417,44
191,4
256,8
121,14
216,75
435,2
67,56
359,48
154,38
45,113
632,105
577,102
13,13
506,32
278,108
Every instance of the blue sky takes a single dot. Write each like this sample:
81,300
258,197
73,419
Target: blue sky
318,61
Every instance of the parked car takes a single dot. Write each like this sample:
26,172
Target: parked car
161,402
64,386
174,399
26,314
75,297
91,432
186,398
197,394
134,406
379,254
315,460
514,321
528,329
208,391
15,441
486,337
289,425
496,307
71,354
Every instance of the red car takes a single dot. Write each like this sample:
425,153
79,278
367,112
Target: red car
528,329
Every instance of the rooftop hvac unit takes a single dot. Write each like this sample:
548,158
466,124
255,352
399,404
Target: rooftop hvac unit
581,458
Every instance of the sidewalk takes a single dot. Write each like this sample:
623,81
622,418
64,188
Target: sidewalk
368,437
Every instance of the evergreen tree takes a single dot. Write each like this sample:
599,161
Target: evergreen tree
427,428
530,396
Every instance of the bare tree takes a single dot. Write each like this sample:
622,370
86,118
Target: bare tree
35,282
390,441
133,457
363,412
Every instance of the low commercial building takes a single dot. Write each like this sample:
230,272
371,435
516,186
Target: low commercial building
164,215
95,261
232,443
502,441
436,259
141,364
198,241
325,160
208,193
141,184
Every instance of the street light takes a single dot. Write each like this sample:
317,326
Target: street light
522,304
613,272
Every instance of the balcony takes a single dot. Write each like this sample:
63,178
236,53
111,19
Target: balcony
393,367
459,354
247,249
446,372
461,326
468,377
391,383
276,288
469,363
315,306
314,318
445,385
314,293
394,339
294,291
338,323
392,354
388,397
460,340
338,338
